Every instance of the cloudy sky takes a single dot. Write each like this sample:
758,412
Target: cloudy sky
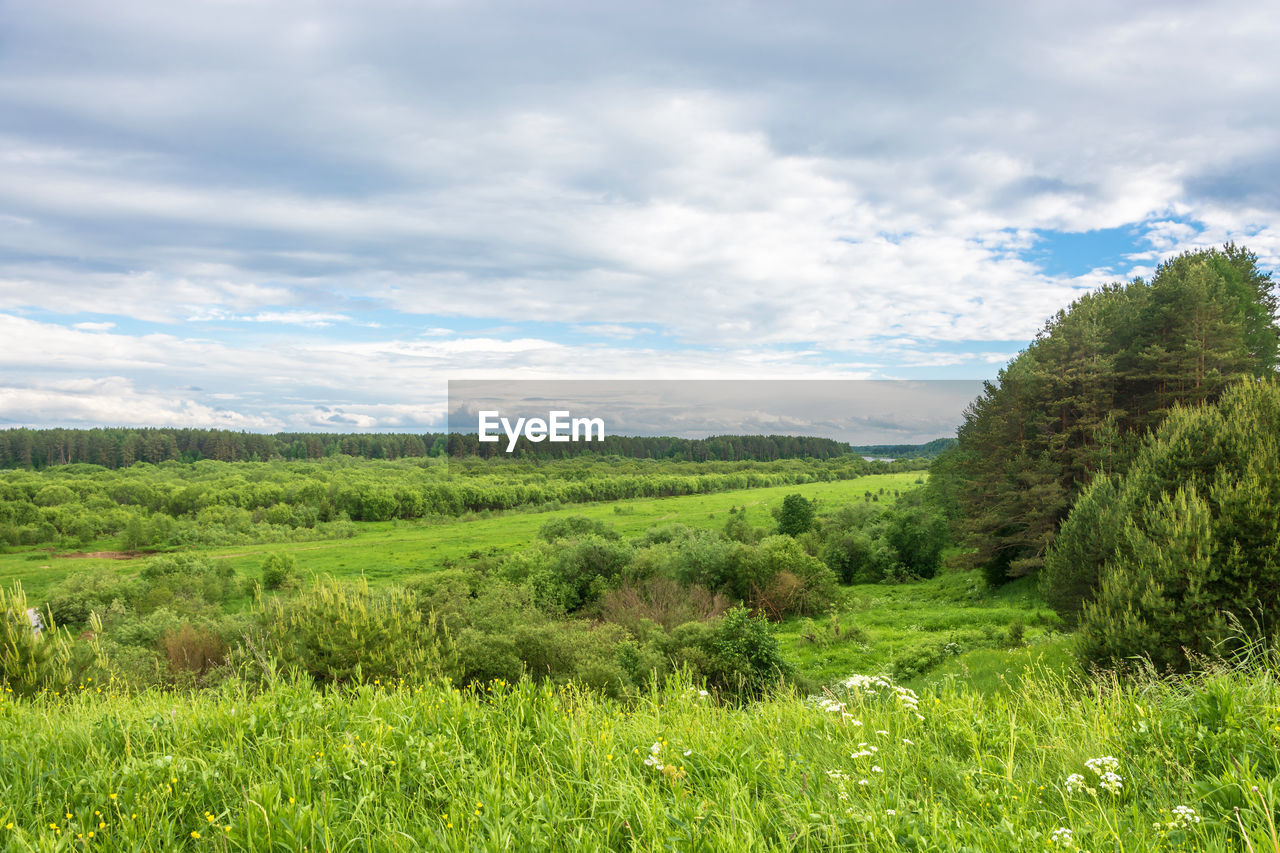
310,215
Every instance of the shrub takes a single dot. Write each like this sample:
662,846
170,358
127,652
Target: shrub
193,650
575,527
278,569
31,662
79,596
340,633
660,600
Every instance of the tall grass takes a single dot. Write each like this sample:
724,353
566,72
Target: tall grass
527,767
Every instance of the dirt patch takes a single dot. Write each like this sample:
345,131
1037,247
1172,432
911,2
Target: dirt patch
100,555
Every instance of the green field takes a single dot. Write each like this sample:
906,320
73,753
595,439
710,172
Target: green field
386,550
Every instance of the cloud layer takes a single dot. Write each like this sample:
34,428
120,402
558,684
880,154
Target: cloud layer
309,215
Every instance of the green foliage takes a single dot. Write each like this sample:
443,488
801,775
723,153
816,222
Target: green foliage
575,527
278,569
339,633
1191,562
1077,401
795,516
33,662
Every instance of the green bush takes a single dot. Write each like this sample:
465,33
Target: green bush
278,569
575,527
795,516
347,632
33,662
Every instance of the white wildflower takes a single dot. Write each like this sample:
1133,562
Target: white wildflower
1111,782
1105,764
1184,817
890,812
1061,837
1076,784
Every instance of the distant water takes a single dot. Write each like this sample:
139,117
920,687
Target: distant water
878,458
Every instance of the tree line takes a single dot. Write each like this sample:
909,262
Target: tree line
36,449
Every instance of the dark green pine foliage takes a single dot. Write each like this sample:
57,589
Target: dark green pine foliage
1078,401
1182,552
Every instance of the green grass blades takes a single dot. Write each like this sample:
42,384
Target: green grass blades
531,767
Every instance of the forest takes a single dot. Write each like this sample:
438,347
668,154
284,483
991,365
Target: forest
36,449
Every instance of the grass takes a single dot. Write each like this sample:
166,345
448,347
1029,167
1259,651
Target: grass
525,767
383,551
910,629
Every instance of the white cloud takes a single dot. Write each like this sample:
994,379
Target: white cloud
768,189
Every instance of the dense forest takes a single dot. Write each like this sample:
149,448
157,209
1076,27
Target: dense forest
119,448
1079,401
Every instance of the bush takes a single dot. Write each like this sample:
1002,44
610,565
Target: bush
661,601
278,570
340,633
79,596
31,662
736,653
575,527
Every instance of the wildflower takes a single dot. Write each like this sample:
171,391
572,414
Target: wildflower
890,812
1075,783
1106,764
1111,782
195,834
1184,817
1061,837
908,742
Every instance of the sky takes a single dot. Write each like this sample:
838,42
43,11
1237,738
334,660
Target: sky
312,215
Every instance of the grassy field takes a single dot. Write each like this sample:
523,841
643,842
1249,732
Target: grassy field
388,550
945,628
526,767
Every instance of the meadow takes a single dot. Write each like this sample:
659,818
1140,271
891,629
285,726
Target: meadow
384,550
1055,765
916,713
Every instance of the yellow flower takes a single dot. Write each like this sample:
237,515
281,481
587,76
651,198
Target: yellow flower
195,834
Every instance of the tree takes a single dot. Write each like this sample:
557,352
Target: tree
1182,553
796,515
1078,400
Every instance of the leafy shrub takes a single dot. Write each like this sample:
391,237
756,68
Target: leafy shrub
278,569
31,662
186,581
575,527
78,596
348,632
736,653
